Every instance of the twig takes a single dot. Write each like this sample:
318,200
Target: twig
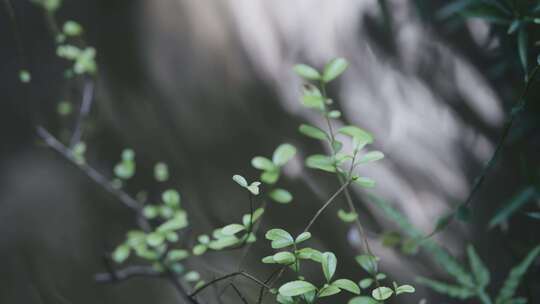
518,107
240,295
325,205
86,105
127,273
230,275
93,174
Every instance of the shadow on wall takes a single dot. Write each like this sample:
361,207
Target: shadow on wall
207,85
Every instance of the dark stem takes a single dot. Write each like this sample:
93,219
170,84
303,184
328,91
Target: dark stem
230,275
240,295
325,205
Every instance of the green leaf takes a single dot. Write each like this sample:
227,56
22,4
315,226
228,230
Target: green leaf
155,239
514,278
442,223
453,291
306,72
232,229
302,237
522,48
334,68
284,258
64,108
171,198
313,132
356,133
150,211
329,263
347,217
514,26
223,242
268,260
365,182
309,254
270,177
192,276
279,237
177,255
281,196
382,293
254,188
480,272
362,300
239,179
521,198
246,219
312,98
72,28
347,285
371,157
334,114
125,170
199,249
404,289
283,154
263,163
296,288
24,76
367,262
284,300
320,162
365,283
161,172
121,253
328,290
179,221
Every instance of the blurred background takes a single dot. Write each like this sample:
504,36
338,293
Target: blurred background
204,86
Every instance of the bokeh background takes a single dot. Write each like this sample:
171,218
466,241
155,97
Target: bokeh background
206,85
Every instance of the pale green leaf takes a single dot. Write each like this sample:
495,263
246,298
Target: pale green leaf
334,68
382,293
404,289
296,288
281,196
263,163
371,157
329,264
362,300
328,290
121,253
284,258
239,179
232,229
313,132
306,72
347,285
283,154
480,272
347,217
302,237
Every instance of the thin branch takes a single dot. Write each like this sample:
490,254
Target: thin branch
240,295
518,107
230,275
94,175
127,273
325,205
86,105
